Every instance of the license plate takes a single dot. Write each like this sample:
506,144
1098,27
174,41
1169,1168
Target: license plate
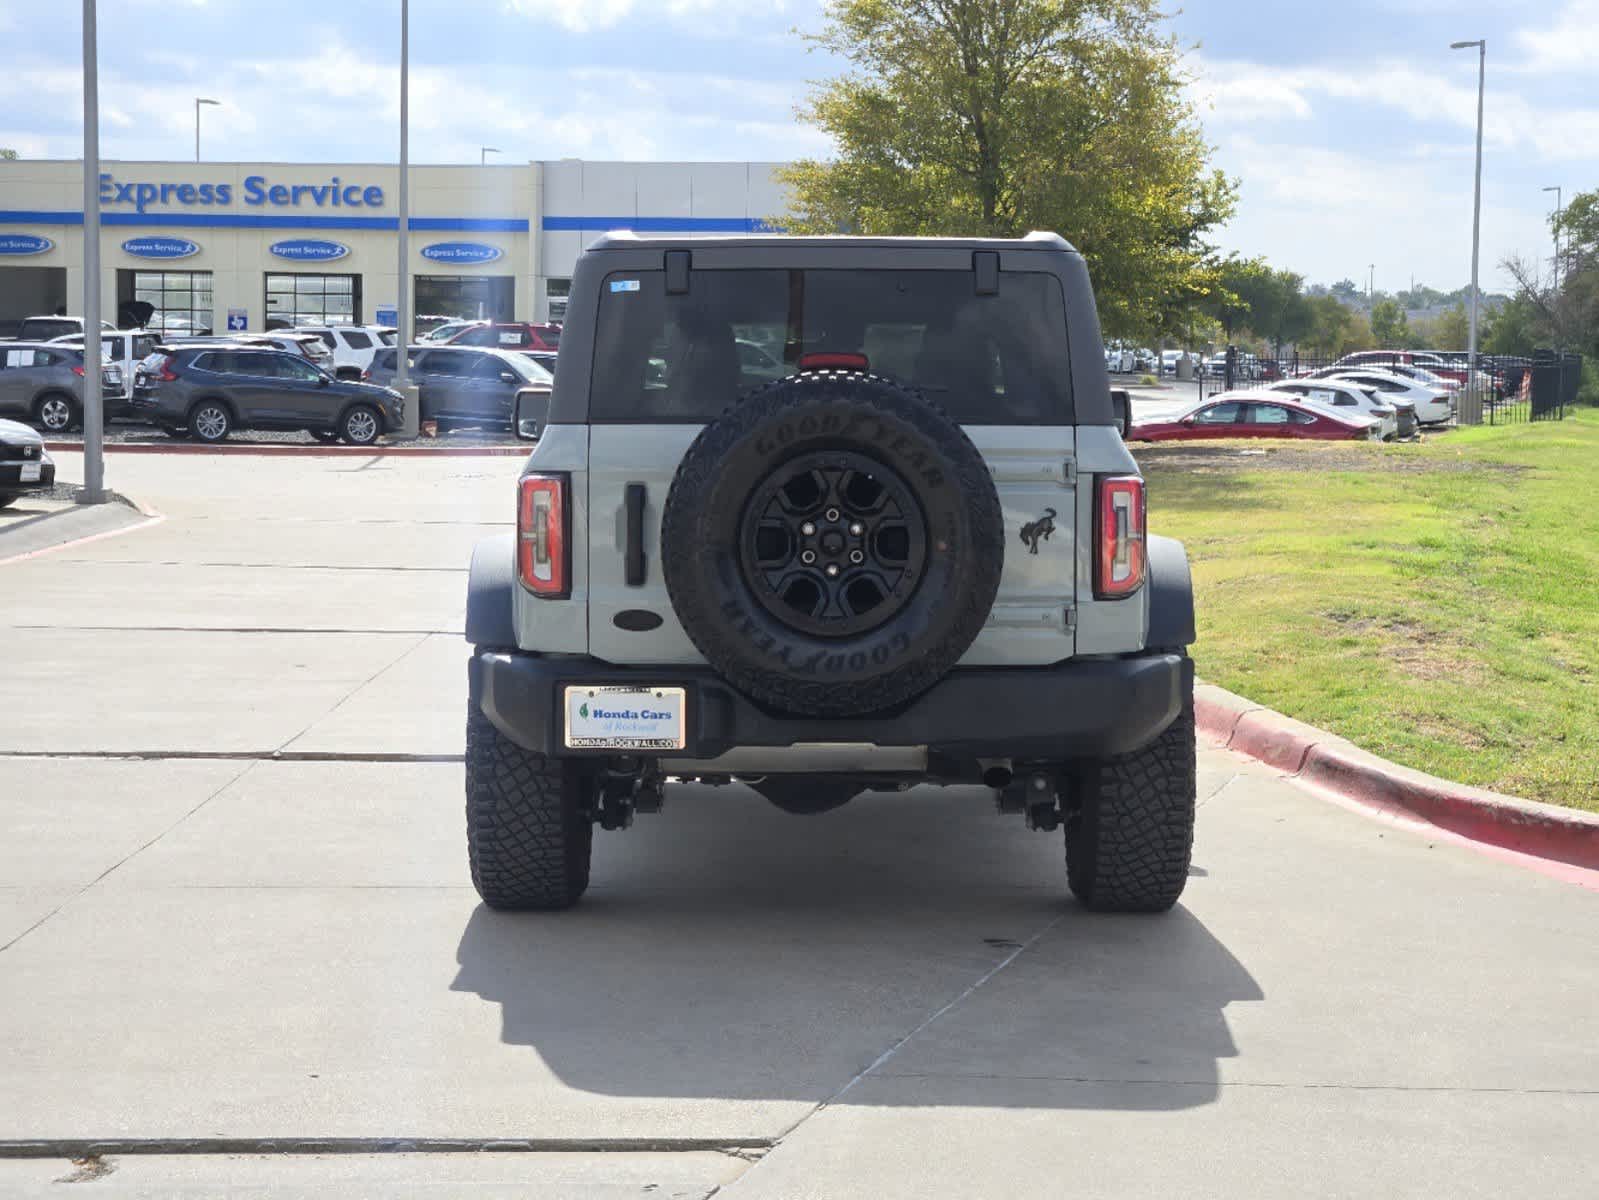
624,718
30,472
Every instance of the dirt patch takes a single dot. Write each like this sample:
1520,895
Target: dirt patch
1230,458
1419,652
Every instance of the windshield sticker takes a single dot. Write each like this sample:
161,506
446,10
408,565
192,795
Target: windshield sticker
624,285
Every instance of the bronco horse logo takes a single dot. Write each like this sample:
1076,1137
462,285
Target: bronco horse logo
1036,531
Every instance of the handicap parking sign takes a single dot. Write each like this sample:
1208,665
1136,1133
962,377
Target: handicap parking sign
238,318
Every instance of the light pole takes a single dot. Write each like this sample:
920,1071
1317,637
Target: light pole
1560,209
484,152
1474,404
1371,283
93,406
199,100
402,304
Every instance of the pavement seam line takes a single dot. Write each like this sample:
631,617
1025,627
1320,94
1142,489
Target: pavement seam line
348,696
231,780
14,1148
1249,1083
970,990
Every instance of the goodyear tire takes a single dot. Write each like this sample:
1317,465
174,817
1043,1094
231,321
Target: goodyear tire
832,544
1130,833
528,833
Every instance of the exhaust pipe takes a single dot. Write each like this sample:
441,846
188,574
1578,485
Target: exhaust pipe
997,772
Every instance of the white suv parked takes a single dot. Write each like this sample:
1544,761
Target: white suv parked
352,346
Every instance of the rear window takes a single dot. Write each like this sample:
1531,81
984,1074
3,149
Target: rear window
384,360
550,335
987,360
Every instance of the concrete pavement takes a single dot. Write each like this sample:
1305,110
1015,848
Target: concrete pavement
263,931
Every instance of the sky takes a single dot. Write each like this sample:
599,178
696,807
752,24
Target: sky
1348,125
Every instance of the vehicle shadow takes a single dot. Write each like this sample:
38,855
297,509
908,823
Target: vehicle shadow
730,951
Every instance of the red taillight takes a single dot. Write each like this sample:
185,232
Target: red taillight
1119,517
78,371
834,362
541,536
366,375
164,371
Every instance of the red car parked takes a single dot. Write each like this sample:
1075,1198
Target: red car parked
1256,415
509,335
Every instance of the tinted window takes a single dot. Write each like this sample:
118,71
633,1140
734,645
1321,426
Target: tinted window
1295,417
448,362
550,336
357,339
985,359
489,367
384,359
1220,414
475,337
221,362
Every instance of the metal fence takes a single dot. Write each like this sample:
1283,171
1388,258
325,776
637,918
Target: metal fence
1505,390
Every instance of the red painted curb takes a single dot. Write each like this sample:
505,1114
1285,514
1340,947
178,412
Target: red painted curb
1331,763
302,451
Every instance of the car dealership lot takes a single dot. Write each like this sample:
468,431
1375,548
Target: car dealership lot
234,905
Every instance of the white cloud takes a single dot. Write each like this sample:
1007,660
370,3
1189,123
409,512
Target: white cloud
1570,44
587,16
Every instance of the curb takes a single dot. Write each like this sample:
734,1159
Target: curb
295,450
1338,766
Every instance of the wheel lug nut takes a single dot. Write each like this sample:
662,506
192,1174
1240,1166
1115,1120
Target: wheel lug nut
807,557
832,514
856,528
832,570
808,529
855,556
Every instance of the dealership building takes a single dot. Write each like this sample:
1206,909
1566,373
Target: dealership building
252,246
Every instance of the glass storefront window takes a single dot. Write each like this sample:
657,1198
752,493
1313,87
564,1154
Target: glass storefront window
181,299
296,299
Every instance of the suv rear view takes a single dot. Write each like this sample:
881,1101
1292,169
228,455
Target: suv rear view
917,555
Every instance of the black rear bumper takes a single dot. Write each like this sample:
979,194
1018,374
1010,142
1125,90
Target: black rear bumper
1084,709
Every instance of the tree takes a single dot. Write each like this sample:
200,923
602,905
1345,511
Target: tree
1452,328
1345,288
995,117
1388,325
7,153
1515,328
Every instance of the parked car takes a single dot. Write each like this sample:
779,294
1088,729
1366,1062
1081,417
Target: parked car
1355,398
1169,360
351,347
1258,414
43,382
45,329
1144,359
25,465
1433,405
464,385
307,345
209,390
1119,359
506,335
439,329
544,358
127,348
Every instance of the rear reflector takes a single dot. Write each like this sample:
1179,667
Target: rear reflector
1119,520
834,362
542,545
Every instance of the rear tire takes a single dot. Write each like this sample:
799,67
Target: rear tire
528,833
8,498
210,421
1131,836
56,413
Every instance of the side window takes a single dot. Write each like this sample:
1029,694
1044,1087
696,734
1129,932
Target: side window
1220,414
513,339
384,360
220,363
448,362
331,342
1295,417
488,367
1267,414
1328,396
476,337
357,340
19,358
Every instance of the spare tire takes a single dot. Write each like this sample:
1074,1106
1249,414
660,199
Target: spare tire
832,544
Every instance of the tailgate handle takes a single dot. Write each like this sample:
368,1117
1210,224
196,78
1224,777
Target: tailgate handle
633,551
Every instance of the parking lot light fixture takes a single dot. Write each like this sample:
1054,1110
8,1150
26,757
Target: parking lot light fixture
484,152
198,101
93,399
1474,414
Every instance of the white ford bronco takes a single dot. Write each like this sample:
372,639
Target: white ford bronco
915,554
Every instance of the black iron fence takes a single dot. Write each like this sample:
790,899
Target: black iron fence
1505,389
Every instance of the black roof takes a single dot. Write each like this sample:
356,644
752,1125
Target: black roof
628,240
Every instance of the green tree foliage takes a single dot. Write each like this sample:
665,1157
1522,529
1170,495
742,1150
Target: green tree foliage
1514,329
7,153
1452,329
1389,326
996,117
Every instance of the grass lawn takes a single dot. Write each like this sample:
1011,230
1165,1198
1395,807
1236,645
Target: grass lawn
1437,604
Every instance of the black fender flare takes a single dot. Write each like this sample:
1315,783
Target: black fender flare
1171,595
491,593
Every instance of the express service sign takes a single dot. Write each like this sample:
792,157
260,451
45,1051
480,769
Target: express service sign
462,253
308,250
160,247
24,243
